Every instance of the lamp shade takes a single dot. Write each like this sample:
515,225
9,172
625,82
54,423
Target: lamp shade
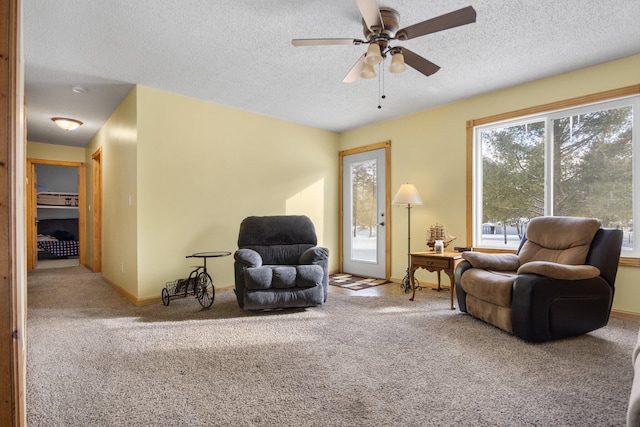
66,123
373,54
407,195
367,71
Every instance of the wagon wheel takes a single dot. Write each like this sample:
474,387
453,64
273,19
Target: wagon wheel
205,291
165,297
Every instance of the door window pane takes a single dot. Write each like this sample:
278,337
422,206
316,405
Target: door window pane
364,211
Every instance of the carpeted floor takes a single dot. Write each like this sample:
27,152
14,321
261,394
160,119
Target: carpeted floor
360,360
355,283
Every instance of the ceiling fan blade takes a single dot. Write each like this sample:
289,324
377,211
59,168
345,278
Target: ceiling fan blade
416,61
324,42
354,72
370,13
466,15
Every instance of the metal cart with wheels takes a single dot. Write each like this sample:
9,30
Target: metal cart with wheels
199,282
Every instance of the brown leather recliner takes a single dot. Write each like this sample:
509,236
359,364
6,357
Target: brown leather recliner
559,284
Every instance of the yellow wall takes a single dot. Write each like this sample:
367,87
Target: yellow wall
194,171
118,141
428,149
39,150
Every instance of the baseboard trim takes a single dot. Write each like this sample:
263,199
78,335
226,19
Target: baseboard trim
158,300
138,302
148,301
625,315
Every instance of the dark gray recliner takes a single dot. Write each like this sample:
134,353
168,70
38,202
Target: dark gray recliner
278,263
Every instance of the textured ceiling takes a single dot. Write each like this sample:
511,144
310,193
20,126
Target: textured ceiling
239,54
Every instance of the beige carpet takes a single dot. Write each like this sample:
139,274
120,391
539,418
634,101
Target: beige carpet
96,360
57,263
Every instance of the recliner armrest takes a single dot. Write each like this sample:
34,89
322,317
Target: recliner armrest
559,271
543,308
463,266
497,262
248,258
314,255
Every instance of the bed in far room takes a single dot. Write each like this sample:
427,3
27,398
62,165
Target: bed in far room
58,238
56,198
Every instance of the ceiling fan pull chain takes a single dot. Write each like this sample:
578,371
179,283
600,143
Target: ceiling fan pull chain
382,72
379,90
380,85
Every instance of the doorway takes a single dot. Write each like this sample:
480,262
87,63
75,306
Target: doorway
59,208
365,207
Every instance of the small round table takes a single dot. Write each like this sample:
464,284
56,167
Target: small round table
205,255
204,289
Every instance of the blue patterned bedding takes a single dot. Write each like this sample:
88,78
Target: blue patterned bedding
60,247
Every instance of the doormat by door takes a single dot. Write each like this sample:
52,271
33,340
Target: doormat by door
356,283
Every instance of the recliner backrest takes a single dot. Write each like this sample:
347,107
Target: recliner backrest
279,239
605,253
564,240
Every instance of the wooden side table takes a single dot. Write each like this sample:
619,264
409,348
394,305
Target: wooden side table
432,261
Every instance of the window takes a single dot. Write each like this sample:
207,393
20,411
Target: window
575,161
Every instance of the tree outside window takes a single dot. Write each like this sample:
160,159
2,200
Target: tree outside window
584,155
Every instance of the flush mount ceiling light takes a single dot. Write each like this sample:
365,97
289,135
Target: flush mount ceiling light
78,89
66,123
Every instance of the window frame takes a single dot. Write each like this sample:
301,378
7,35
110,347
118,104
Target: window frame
549,110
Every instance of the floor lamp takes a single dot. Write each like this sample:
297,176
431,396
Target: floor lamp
407,195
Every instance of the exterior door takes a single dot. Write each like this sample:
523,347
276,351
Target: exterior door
364,222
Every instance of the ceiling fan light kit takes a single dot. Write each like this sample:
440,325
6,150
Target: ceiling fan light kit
380,27
367,71
397,62
374,56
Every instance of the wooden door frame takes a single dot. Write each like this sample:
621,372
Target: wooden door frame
387,153
31,214
96,210
32,250
12,216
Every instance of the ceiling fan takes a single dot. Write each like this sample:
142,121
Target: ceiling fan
380,27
